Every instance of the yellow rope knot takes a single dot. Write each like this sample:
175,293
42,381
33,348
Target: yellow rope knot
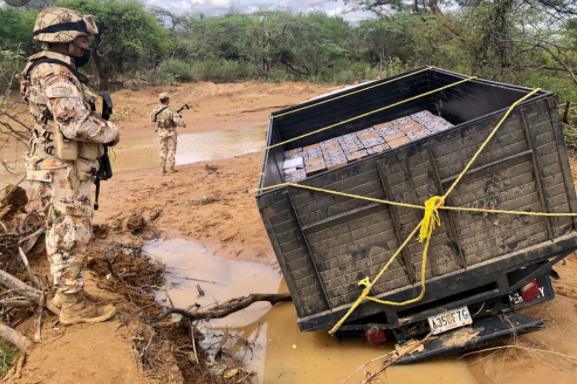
367,284
431,218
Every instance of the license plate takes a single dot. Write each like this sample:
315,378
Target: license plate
450,320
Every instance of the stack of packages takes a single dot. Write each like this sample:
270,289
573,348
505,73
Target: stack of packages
313,159
293,166
431,122
334,153
352,147
372,141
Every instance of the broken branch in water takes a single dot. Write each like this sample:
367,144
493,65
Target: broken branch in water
407,350
14,337
224,309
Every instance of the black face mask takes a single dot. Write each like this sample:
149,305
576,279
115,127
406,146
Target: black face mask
81,61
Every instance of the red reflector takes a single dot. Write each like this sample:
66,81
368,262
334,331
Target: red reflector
375,336
530,291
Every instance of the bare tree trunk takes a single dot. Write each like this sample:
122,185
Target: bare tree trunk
566,113
103,71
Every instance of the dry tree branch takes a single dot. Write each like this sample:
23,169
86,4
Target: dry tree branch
365,364
21,288
16,303
38,322
14,337
27,265
406,351
546,46
224,309
571,359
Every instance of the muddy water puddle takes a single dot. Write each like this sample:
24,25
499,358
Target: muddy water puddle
279,352
142,153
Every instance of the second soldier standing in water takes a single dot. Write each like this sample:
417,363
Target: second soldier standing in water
167,119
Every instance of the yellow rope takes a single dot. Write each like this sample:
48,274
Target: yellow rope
351,93
371,113
421,207
381,201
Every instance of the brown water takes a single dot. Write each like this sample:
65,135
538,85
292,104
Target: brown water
281,353
142,153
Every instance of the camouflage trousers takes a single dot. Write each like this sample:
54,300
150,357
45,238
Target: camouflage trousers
68,207
168,149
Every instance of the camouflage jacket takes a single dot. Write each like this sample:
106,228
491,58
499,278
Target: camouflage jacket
167,120
57,100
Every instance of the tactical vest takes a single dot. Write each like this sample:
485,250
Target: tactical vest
46,132
163,117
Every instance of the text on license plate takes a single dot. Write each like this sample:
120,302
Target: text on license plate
450,320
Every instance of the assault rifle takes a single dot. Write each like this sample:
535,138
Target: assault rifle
105,169
185,106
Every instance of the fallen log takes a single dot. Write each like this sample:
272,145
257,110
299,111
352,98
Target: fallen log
16,303
14,337
224,309
19,286
25,290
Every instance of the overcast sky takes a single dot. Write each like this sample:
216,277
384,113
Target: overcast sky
218,7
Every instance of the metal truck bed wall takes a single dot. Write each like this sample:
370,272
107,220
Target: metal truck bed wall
325,244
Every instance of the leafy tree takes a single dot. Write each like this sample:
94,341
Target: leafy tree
16,30
127,35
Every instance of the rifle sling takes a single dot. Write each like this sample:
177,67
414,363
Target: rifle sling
83,79
159,112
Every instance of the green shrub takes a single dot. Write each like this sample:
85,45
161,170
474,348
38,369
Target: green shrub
177,69
557,82
7,356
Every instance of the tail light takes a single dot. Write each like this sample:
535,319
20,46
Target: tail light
375,336
530,291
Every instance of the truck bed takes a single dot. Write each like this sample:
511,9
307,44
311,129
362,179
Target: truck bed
325,244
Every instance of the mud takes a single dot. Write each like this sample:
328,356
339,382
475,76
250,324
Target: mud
280,353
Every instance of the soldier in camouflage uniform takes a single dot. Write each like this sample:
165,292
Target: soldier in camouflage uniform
168,119
67,140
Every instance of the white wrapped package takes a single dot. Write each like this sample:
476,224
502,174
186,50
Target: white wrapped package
297,162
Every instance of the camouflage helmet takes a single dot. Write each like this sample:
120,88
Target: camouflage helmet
164,96
62,25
